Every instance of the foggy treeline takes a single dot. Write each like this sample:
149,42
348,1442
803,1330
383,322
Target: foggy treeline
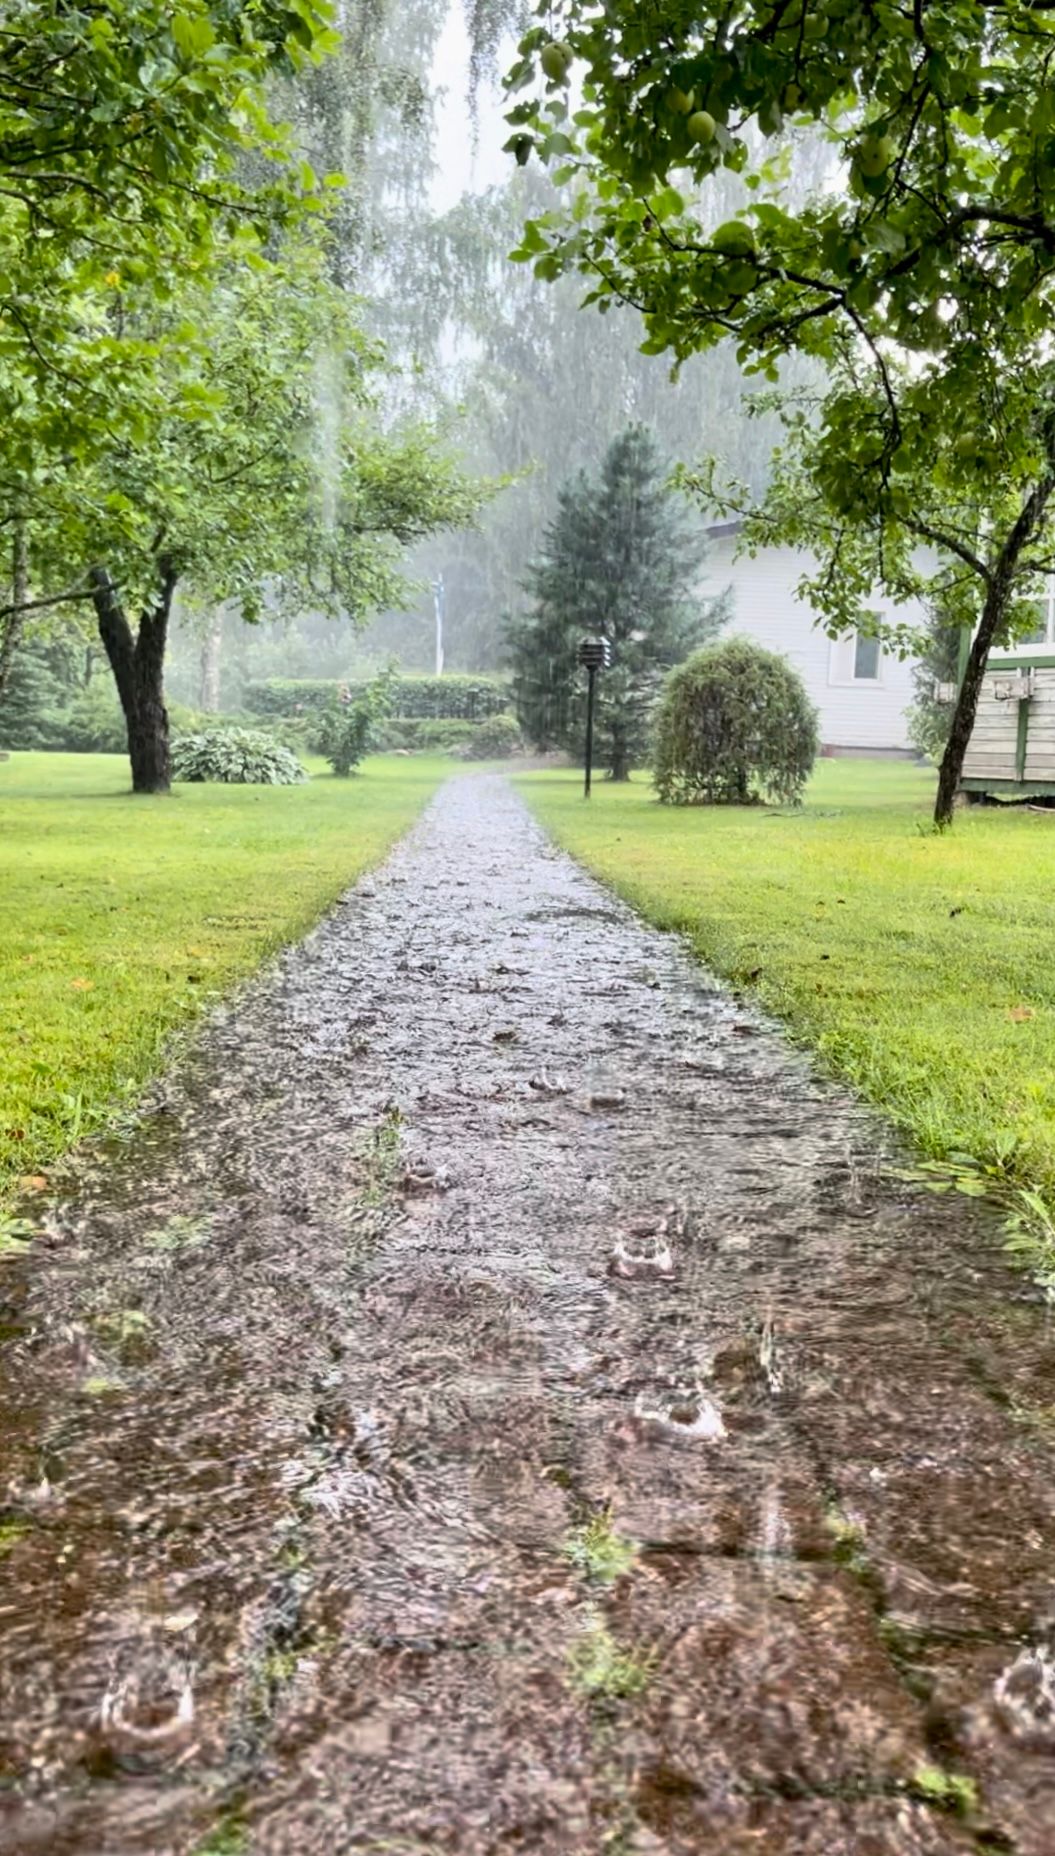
529,388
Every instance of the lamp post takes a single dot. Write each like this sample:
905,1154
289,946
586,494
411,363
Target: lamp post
439,603
594,654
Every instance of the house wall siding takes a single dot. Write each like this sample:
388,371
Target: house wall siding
1040,741
861,716
991,751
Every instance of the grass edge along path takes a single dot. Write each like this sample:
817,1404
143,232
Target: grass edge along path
917,966
122,919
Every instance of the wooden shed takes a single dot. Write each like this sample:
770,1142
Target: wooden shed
1011,753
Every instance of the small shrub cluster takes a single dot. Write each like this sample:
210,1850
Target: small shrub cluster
94,722
734,725
418,735
298,733
343,736
450,698
235,757
495,739
928,722
928,718
348,729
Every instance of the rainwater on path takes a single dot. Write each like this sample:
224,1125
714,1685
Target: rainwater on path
497,1399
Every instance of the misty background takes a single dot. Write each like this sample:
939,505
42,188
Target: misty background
526,387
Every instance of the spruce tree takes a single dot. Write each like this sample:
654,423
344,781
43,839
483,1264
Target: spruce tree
620,560
33,711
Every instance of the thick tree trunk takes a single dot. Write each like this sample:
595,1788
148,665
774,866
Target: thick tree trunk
148,723
1000,592
619,758
14,624
211,653
138,664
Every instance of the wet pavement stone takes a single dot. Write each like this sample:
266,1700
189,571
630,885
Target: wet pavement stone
320,1367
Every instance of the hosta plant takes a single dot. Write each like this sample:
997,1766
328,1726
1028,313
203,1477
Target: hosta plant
235,757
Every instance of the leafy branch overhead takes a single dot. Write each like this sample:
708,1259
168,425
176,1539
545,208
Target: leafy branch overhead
940,118
135,144
121,124
919,275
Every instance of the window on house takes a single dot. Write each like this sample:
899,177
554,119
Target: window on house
866,659
855,658
1044,630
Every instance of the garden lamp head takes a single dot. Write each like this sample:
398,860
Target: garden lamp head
595,654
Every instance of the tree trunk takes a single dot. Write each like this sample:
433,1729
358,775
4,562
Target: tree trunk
619,758
14,624
963,715
211,650
138,664
1000,591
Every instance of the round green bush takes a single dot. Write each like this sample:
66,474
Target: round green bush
235,757
495,739
733,725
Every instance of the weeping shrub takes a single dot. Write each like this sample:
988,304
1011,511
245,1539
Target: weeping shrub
733,725
235,757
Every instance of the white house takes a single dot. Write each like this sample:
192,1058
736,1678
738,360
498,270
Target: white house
860,690
1011,753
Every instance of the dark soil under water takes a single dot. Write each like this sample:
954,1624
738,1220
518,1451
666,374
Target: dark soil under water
481,1236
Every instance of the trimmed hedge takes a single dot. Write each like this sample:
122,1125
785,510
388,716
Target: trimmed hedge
454,698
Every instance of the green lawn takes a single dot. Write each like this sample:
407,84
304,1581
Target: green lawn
921,967
121,917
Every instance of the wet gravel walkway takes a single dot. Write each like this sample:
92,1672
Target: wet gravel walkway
480,1237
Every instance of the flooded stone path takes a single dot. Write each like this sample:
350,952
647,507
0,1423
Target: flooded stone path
495,1400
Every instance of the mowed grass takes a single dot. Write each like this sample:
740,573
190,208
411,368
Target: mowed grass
921,967
122,917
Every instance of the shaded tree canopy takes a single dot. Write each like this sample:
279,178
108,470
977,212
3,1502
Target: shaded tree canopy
188,393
